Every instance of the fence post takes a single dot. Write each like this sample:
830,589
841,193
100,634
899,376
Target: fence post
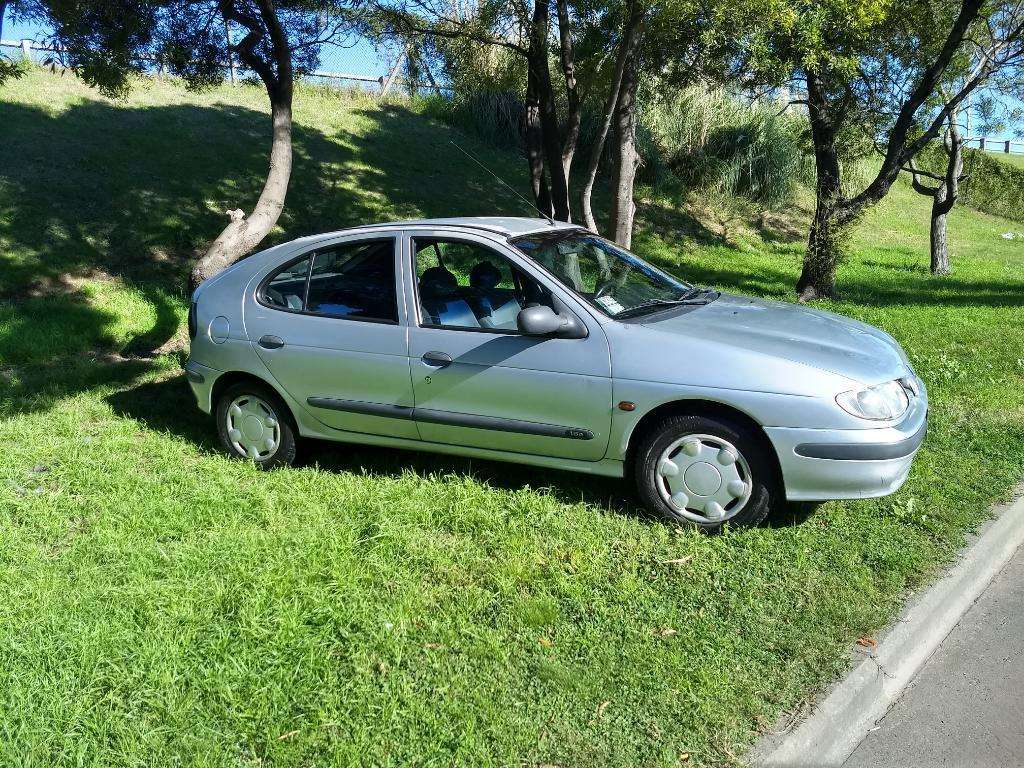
981,142
394,71
26,50
1007,149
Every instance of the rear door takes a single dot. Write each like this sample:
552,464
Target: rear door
478,381
330,326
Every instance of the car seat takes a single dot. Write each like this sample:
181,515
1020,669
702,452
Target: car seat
495,307
441,302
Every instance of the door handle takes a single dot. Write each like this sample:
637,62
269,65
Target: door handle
438,359
271,342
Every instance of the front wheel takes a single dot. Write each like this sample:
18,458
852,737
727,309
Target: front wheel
253,423
705,472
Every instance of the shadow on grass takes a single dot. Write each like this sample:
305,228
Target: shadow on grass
912,287
101,192
168,406
40,387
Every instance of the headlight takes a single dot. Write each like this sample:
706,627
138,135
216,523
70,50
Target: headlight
881,402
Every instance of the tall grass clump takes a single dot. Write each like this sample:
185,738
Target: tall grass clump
712,140
497,117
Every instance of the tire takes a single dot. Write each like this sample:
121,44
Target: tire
699,462
258,405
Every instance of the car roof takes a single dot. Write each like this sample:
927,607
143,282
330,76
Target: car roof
508,226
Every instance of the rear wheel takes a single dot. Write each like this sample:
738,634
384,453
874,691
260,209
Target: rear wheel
705,472
254,423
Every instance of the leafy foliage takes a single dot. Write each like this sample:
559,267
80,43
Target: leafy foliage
495,116
715,141
109,41
992,185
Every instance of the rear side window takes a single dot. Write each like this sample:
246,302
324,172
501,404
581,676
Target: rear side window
353,280
287,289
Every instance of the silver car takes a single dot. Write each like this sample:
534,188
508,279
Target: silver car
520,340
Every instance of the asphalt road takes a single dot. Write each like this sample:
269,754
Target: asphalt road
966,706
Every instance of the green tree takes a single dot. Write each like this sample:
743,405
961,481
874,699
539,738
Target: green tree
869,70
600,50
9,69
107,42
991,74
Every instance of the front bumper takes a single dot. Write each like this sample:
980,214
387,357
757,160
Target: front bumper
201,378
820,464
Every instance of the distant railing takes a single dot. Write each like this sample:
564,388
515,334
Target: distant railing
986,144
235,71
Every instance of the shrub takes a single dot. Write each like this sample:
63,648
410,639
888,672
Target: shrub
713,140
498,117
993,186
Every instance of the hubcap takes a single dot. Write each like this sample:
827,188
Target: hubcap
253,428
703,478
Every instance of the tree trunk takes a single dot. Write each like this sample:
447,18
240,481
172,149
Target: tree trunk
824,242
824,249
3,10
245,233
939,247
946,197
541,71
567,58
535,147
943,194
626,47
553,152
626,158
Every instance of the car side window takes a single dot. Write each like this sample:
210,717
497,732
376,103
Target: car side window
352,280
287,288
466,285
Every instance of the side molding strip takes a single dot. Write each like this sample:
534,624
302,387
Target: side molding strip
501,425
863,451
362,406
450,418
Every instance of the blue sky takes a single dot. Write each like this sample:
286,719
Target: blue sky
364,59
361,59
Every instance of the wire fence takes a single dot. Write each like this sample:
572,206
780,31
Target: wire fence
374,67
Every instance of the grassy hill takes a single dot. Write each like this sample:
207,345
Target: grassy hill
165,605
1012,159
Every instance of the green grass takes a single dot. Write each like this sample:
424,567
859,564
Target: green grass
1012,159
164,605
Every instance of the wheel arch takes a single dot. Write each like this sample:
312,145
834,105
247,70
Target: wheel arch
701,407
231,378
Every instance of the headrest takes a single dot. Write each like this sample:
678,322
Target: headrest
484,275
437,281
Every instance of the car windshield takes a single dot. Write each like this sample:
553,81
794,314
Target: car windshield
615,281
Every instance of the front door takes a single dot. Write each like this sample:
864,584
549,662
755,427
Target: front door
327,326
478,381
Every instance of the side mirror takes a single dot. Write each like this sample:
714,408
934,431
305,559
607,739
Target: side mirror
542,320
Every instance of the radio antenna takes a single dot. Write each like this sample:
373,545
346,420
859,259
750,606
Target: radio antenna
547,216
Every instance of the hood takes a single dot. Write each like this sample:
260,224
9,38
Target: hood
803,335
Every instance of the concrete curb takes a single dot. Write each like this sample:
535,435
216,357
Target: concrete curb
843,718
